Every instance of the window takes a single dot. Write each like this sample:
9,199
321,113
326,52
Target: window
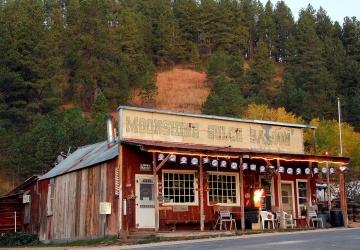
223,189
302,197
50,197
179,187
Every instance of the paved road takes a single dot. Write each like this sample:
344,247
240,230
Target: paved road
331,239
339,239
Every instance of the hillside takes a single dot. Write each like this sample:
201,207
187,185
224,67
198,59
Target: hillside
179,89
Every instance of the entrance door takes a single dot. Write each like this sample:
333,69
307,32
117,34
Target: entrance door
287,195
145,203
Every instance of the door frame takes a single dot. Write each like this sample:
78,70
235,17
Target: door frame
293,195
137,185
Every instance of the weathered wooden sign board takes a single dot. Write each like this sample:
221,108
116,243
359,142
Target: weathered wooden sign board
185,128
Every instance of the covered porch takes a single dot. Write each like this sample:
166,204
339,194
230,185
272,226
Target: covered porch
189,186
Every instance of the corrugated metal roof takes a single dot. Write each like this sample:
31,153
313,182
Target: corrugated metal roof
84,157
293,125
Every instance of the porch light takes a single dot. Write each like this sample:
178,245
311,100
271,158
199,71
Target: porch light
214,163
307,171
245,166
194,161
298,171
281,169
234,165
172,158
262,169
161,157
324,170
183,160
253,167
290,171
315,170
258,193
343,168
332,170
223,164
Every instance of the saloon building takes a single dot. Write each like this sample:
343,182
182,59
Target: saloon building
166,171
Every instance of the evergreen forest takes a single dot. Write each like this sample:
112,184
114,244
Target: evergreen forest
65,64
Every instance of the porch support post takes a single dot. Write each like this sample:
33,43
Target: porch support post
282,221
242,201
156,194
308,194
328,191
343,203
201,176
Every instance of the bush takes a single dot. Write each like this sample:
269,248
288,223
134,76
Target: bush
18,239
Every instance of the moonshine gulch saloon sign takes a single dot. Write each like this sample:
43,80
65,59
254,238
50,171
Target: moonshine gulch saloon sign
258,135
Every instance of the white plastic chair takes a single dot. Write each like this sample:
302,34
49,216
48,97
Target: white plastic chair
267,216
223,218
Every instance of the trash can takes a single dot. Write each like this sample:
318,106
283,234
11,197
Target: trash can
336,218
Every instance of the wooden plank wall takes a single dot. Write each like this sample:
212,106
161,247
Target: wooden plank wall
8,206
76,204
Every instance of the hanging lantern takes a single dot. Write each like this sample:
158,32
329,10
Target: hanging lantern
262,169
245,166
223,164
172,158
298,171
233,165
214,163
183,160
332,171
281,169
194,161
315,170
253,167
343,168
206,160
324,170
307,171
160,157
290,171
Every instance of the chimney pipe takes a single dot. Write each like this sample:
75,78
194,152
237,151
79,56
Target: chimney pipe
110,130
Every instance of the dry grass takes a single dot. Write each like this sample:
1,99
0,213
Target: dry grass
179,89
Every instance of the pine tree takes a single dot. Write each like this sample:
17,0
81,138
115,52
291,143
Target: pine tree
267,28
261,73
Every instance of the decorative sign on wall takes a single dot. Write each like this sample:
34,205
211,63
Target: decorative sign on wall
180,208
105,207
145,167
155,125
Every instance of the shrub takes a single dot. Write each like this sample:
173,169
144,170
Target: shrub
18,239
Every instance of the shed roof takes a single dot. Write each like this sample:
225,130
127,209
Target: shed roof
84,157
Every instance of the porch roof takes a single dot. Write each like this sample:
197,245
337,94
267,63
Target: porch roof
198,149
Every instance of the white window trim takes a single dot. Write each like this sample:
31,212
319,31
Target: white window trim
196,199
293,195
297,195
237,185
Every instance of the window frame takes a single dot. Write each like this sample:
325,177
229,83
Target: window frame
195,187
237,186
298,197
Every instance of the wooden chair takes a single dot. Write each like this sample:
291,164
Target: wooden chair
267,216
223,218
312,216
289,221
